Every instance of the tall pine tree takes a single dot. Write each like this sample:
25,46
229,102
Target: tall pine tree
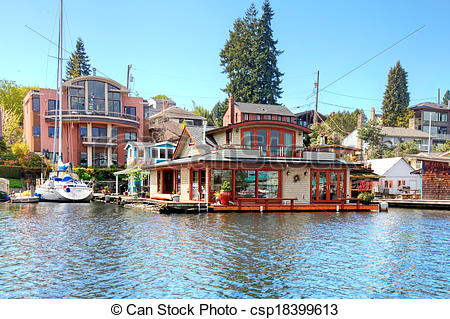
249,58
396,99
270,76
446,97
78,65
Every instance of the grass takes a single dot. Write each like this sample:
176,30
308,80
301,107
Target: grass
14,183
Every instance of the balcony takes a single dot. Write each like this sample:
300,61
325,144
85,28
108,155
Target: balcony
102,141
94,116
306,153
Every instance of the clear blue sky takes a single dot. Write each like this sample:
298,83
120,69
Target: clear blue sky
174,46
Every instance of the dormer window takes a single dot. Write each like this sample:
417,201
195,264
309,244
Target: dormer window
269,117
280,118
288,119
258,117
246,117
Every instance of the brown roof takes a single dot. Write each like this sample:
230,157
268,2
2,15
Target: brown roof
177,112
403,132
254,108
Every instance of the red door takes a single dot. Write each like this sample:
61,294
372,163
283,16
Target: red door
328,185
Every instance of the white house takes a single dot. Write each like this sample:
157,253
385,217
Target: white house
395,172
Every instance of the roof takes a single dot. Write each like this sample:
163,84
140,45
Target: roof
381,166
430,105
403,132
177,112
263,109
213,130
196,132
430,158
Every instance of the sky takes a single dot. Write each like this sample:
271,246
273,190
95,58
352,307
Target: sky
173,47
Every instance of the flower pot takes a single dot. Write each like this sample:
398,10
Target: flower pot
176,198
225,197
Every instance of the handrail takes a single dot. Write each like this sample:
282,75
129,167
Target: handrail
264,201
94,113
274,151
99,139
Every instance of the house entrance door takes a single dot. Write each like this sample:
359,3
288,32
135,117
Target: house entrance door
328,185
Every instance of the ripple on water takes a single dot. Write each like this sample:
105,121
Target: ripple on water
104,251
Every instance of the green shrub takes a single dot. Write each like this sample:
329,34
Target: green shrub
11,172
15,183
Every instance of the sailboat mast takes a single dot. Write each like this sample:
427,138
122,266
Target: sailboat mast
60,76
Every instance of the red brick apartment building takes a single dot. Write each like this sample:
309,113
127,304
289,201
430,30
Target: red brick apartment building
99,118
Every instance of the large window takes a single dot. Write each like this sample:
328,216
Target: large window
96,95
218,176
114,103
83,131
76,99
245,183
271,142
435,116
130,110
51,105
51,131
99,131
248,139
268,184
36,103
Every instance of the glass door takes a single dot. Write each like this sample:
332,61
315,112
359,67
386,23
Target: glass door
328,185
198,184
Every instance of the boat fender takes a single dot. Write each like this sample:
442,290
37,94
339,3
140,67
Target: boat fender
67,189
296,178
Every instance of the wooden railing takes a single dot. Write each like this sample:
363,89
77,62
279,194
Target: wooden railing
265,201
274,151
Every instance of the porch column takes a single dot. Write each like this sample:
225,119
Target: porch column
117,184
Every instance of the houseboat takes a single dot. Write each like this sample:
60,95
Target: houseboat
260,152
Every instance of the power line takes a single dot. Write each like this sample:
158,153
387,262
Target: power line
353,97
367,61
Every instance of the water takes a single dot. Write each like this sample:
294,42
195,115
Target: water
104,251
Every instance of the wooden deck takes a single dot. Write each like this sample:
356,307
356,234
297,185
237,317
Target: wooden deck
418,203
318,208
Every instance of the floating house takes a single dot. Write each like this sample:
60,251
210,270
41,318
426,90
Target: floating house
260,152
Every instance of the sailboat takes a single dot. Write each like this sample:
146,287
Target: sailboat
63,184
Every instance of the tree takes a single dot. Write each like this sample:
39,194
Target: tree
446,97
160,96
396,99
266,62
445,147
402,149
78,65
200,110
249,58
218,112
338,125
371,134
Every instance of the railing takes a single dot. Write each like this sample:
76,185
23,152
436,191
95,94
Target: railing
100,140
75,112
265,201
275,151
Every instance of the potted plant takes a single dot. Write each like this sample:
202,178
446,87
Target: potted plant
225,193
365,192
217,196
106,190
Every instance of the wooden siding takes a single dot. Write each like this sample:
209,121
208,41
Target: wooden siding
299,189
436,180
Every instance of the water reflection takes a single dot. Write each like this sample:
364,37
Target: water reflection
104,251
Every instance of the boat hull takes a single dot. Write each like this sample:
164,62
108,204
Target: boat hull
59,194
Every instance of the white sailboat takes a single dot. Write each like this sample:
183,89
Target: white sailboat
63,184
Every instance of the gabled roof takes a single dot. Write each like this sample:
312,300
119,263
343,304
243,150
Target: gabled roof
403,132
213,130
195,134
177,112
431,106
254,108
381,166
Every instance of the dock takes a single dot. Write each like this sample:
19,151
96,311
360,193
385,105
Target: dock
195,207
418,203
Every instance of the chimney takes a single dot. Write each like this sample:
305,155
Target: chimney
94,71
360,123
412,123
204,132
372,114
231,107
165,105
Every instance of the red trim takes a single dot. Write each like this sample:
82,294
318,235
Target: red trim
328,171
268,132
263,123
178,144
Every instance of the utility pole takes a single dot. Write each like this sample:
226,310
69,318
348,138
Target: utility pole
316,86
128,76
439,96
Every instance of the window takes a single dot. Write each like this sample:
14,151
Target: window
169,153
155,153
245,116
275,142
444,117
130,136
96,95
258,117
51,105
218,176
248,139
83,131
114,132
288,119
99,159
163,153
140,153
245,183
112,87
99,131
269,117
434,116
36,103
261,140
83,159
76,99
51,131
280,118
36,131
268,184
130,110
114,103
228,137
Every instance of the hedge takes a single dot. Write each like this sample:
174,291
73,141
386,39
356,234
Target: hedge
11,172
15,183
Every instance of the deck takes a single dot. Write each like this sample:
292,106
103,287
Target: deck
318,208
418,203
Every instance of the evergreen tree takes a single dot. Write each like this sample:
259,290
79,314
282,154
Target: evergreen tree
78,65
446,97
249,58
218,112
371,134
270,76
396,99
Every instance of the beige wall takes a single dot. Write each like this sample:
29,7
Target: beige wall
153,181
220,138
185,177
300,189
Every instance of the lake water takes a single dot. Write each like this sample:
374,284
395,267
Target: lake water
95,250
